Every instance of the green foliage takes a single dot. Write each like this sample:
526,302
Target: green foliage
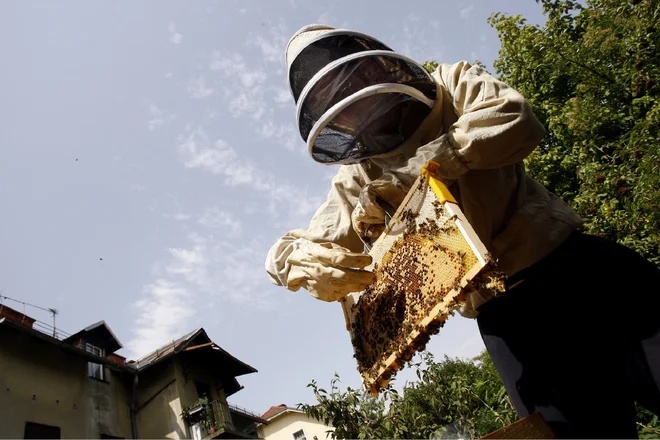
647,424
204,417
591,74
430,66
452,398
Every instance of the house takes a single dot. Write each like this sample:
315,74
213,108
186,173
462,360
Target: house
286,423
77,386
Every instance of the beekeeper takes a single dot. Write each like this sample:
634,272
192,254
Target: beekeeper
382,117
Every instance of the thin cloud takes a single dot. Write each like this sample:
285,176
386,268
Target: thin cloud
272,45
325,18
285,134
248,96
198,89
198,151
217,267
178,217
236,266
234,66
137,187
419,41
244,88
271,50
190,263
222,221
283,96
175,37
212,268
158,117
163,315
247,103
218,158
466,12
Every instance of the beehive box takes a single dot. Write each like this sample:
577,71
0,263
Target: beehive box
426,261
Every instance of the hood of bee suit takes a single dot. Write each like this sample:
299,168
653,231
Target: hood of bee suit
355,97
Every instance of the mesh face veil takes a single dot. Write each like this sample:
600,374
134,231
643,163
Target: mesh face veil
355,97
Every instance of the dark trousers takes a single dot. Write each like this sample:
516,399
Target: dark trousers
578,338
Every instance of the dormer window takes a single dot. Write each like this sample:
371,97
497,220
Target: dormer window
93,369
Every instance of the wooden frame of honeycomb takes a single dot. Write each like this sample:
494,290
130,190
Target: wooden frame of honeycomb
426,261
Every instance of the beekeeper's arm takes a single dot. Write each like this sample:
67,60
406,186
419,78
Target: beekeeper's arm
326,258
495,126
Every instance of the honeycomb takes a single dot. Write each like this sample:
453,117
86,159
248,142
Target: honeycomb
425,262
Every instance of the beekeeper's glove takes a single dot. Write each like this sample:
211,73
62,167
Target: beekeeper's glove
368,217
328,271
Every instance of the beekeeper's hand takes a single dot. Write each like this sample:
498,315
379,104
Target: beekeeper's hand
368,217
328,271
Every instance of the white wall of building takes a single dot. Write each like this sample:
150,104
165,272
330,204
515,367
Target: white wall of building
283,426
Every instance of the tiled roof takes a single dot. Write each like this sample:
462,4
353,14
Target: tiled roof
169,349
274,410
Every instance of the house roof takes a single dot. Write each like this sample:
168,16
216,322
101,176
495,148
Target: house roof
276,411
214,352
99,335
237,411
168,349
197,347
15,315
196,344
11,325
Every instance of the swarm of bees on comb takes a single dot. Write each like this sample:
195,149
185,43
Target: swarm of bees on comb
426,263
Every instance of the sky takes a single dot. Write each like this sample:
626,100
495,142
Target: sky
149,158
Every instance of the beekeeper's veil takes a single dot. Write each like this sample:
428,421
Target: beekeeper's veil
355,97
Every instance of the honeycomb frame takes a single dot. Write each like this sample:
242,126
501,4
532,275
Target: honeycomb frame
426,261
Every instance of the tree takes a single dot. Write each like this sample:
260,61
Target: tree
591,75
451,398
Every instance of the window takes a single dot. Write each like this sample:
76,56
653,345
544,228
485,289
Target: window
37,430
299,435
203,390
95,370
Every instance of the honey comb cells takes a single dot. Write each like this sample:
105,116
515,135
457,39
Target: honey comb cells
427,260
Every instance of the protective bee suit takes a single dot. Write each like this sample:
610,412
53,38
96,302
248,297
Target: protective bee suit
476,127
382,117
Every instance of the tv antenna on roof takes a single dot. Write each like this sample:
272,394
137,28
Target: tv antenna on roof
54,312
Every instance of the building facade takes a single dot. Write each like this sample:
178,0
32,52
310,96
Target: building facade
286,423
78,387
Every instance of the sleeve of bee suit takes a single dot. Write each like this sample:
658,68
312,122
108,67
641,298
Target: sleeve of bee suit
495,125
331,224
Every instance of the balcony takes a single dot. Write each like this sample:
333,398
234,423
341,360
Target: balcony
210,420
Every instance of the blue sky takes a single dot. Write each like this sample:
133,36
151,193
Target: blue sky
149,159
